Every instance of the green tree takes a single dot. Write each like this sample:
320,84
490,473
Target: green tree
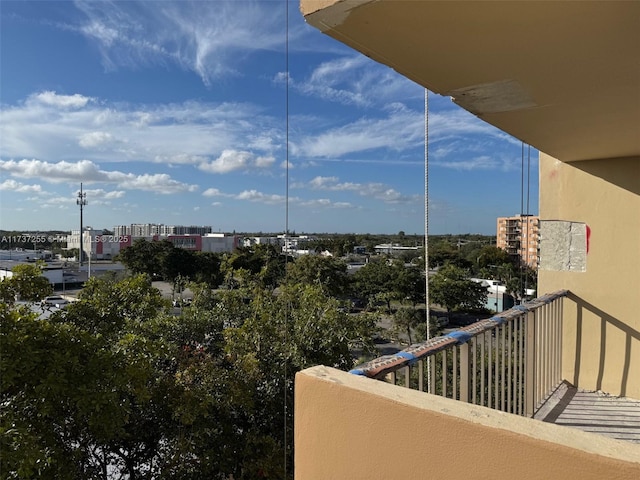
66,396
407,319
451,289
342,245
27,283
164,260
518,280
387,280
491,257
409,283
177,263
113,385
295,329
441,253
246,258
70,253
145,257
208,269
262,262
327,272
376,278
7,292
109,307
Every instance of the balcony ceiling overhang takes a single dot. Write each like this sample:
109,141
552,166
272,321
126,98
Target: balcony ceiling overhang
561,76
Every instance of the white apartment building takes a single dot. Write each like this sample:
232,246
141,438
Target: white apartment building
152,229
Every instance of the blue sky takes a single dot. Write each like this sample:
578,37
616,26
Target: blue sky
176,113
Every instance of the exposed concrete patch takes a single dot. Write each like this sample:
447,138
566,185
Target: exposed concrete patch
494,97
563,246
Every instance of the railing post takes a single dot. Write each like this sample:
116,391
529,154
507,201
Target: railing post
465,365
391,377
530,364
518,362
560,337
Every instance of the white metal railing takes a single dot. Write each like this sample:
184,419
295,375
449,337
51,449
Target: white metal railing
510,362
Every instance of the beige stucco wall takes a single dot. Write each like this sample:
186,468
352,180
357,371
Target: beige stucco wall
602,315
350,427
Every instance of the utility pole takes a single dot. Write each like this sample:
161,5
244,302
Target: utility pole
82,201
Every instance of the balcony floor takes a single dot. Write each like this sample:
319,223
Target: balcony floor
596,412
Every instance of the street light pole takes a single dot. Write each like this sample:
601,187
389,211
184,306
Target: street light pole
82,201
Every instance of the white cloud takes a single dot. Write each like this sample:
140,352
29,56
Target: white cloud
326,79
89,172
94,139
53,172
231,160
58,201
343,205
207,135
60,101
379,191
355,80
274,199
181,133
157,183
453,123
323,182
249,195
325,203
263,161
13,186
256,196
401,129
213,192
481,162
99,193
452,132
209,38
180,159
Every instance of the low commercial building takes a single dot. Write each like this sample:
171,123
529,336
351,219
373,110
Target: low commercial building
105,246
393,249
498,300
54,274
219,243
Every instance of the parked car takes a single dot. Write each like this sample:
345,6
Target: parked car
55,301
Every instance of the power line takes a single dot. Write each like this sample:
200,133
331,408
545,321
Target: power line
286,240
426,228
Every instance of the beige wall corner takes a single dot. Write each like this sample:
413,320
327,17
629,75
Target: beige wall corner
351,427
601,343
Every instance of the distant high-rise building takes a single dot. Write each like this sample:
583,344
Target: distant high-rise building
188,230
519,236
153,229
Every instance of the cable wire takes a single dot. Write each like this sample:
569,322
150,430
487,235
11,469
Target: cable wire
426,229
526,243
286,242
521,269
